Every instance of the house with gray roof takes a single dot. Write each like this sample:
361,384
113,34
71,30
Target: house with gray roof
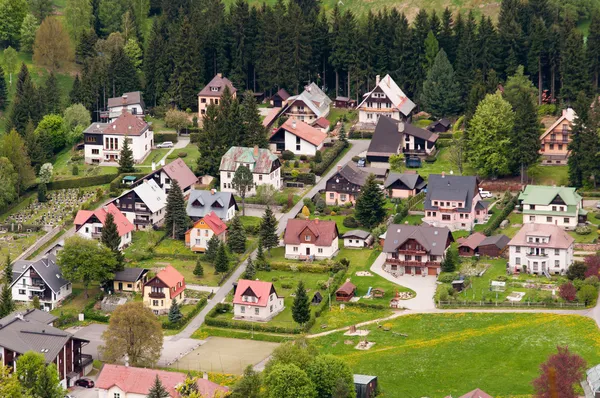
404,185
145,205
130,280
41,278
560,206
32,330
345,185
309,105
357,238
386,99
202,202
415,249
132,102
264,165
591,384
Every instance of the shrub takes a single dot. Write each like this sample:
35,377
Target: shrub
503,214
568,291
304,158
82,182
318,157
583,230
320,206
286,285
182,154
75,170
162,137
287,155
328,157
350,222
171,156
76,158
591,280
447,277
355,158
296,164
194,137
443,295
587,294
398,218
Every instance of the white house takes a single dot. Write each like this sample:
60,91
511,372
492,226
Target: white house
144,205
386,99
541,249
89,223
357,238
178,171
132,102
310,105
306,239
203,230
560,206
264,165
40,278
103,141
297,137
256,301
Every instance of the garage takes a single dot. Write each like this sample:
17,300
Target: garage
432,271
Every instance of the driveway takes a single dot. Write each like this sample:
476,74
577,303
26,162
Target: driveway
424,286
80,392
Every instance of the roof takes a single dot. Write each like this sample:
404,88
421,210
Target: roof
593,378
451,188
476,393
473,241
261,160
170,277
363,379
304,131
411,180
203,202
500,241
130,274
356,233
284,95
352,173
325,231
559,239
271,116
262,290
179,171
151,194
46,267
433,239
314,98
544,195
129,178
219,82
322,122
124,226
347,288
400,101
387,137
568,115
125,124
131,98
214,223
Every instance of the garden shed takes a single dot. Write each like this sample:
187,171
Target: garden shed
365,386
345,292
378,292
317,298
493,246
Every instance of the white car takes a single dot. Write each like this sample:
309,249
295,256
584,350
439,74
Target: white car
166,144
484,194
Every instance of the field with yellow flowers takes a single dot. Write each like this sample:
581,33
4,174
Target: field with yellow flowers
445,354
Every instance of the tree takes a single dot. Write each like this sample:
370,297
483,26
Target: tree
254,131
47,384
330,374
450,260
177,120
396,162
84,260
8,182
301,306
176,218
242,182
577,270
587,294
76,116
568,291
35,302
78,17
25,105
212,247
560,374
135,331
7,305
40,8
250,272
46,172
52,135
187,67
28,30
3,90
573,67
198,269
38,379
158,390
52,46
261,262
221,260
432,49
489,134
457,152
51,96
12,13
288,381
236,236
342,136
111,239
13,148
11,61
248,386
189,388
134,53
10,386
175,314
268,230
370,204
441,95
42,192
126,157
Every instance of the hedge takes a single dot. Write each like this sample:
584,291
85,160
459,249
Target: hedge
508,208
329,157
307,178
360,134
194,137
310,268
590,194
211,320
366,305
188,317
81,182
162,137
447,135
116,182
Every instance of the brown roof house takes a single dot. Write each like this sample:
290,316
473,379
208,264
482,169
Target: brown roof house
555,140
345,185
404,185
386,99
304,239
132,102
415,249
279,99
298,137
479,244
211,94
345,292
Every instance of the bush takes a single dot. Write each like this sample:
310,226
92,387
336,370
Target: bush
171,156
591,280
75,170
304,158
508,208
360,134
443,295
350,222
320,206
162,137
547,109
583,230
194,137
568,291
182,154
183,321
587,294
76,158
329,157
447,277
81,182
296,164
318,157
287,155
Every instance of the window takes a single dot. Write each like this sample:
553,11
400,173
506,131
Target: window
260,177
320,250
518,261
343,197
271,297
560,147
369,116
407,257
117,395
90,139
551,146
214,89
271,308
256,311
228,175
129,285
435,203
566,220
517,249
216,102
307,238
553,208
155,303
203,100
556,252
295,248
95,152
531,218
548,219
21,291
418,258
243,309
445,217
331,195
556,263
531,207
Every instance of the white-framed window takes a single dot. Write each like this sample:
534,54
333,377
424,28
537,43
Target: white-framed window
320,251
518,260
256,311
295,248
117,395
21,291
331,195
556,252
260,177
307,238
517,249
557,263
243,309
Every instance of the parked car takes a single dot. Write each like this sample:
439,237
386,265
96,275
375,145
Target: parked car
484,194
85,382
166,144
361,162
598,204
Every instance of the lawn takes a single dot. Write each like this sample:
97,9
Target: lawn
158,125
454,353
76,302
155,156
442,164
193,154
339,220
186,267
63,166
143,243
551,175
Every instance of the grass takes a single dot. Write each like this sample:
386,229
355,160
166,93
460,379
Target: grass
159,125
193,154
248,221
63,166
48,244
442,163
206,331
143,242
19,243
155,156
185,267
77,301
552,175
422,123
448,352
589,238
339,220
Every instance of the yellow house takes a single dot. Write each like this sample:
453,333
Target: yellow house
130,280
555,140
198,236
160,291
211,94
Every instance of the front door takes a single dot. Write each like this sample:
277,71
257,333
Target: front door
120,286
308,251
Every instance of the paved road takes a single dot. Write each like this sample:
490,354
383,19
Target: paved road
358,146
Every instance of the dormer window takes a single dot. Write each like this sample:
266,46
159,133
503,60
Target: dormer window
214,89
307,238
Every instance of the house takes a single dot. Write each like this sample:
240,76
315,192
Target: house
264,165
541,249
305,239
476,393
103,141
404,185
160,291
345,185
297,137
202,202
344,102
32,330
178,171
197,237
591,384
415,249
41,278
357,238
560,206
89,223
493,246
117,381
392,137
322,124
144,205
256,301
132,102
440,126
309,105
454,202
365,386
130,280
345,292
279,99
386,99
211,94
467,247
555,140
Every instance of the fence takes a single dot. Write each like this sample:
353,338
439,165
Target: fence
508,304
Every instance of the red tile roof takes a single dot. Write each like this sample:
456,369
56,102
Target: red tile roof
324,231
126,124
170,276
215,223
123,224
179,171
304,131
261,290
321,122
472,241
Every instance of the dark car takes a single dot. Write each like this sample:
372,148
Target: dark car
86,383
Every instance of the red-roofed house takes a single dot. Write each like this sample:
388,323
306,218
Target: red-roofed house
197,237
305,239
176,170
89,223
256,301
298,137
323,124
117,381
161,290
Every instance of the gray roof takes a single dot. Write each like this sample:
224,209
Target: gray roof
500,241
593,380
130,274
314,98
31,315
451,188
151,194
408,179
354,174
46,268
363,379
132,98
356,233
203,202
387,138
433,239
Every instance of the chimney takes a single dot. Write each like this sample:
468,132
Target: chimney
114,126
316,220
443,174
153,166
377,80
293,123
255,151
220,75
339,167
212,191
401,127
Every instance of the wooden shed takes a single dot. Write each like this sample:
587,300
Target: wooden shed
345,292
467,247
378,292
493,246
344,102
440,126
365,386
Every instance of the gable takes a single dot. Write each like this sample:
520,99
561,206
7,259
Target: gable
558,200
307,236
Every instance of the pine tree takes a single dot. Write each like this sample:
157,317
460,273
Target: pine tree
576,148
187,71
176,218
175,314
432,48
221,260
236,236
250,272
42,192
254,131
487,46
75,94
446,36
370,210
342,134
573,67
466,55
301,306
122,75
261,262
157,390
25,105
510,35
52,96
3,90
212,247
593,49
268,230
111,239
198,269
441,94
157,63
6,301
126,158
536,55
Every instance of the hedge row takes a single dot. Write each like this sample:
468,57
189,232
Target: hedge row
590,194
307,178
310,268
354,135
188,317
194,137
366,305
116,182
91,314
162,137
82,182
447,135
227,323
508,208
329,156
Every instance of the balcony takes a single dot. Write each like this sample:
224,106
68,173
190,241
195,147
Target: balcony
412,252
156,295
38,287
96,235
536,255
141,221
412,263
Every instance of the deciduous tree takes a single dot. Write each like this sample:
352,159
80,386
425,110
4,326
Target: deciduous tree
370,204
242,182
78,17
46,172
289,381
568,291
12,13
176,218
28,30
560,374
328,373
11,61
236,236
8,182
177,119
76,115
301,306
38,379
249,385
52,46
13,148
